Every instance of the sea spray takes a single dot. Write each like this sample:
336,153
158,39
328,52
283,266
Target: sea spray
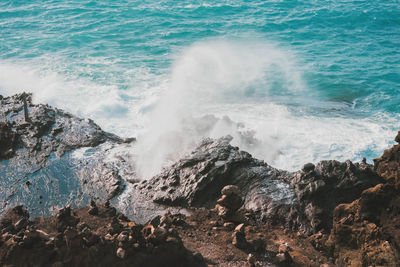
206,77
330,89
225,87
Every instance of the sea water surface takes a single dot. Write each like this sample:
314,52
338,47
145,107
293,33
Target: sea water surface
291,81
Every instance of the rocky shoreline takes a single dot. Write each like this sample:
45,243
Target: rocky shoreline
224,207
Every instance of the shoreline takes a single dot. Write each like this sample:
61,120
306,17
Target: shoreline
325,204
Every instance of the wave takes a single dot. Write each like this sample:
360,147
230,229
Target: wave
254,91
225,87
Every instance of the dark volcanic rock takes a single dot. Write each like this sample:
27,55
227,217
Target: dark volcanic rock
58,159
319,189
7,140
53,158
197,179
302,201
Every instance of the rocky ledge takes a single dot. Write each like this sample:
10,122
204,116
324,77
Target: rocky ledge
50,158
344,213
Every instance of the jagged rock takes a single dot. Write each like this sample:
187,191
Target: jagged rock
359,242
47,150
199,177
397,138
388,165
366,231
48,154
301,201
321,188
7,140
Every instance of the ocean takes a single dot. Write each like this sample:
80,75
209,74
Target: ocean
291,81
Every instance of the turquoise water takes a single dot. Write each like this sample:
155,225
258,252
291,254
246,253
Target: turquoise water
309,80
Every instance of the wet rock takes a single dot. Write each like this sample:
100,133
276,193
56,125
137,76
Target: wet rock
46,149
7,140
397,138
213,165
301,201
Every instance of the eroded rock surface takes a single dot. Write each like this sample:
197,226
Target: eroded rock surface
52,158
7,140
302,201
366,232
319,189
197,179
59,159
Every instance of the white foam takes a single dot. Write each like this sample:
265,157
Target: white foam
105,103
235,79
229,79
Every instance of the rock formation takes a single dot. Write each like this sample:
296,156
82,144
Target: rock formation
76,238
319,189
45,168
7,140
366,231
49,159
